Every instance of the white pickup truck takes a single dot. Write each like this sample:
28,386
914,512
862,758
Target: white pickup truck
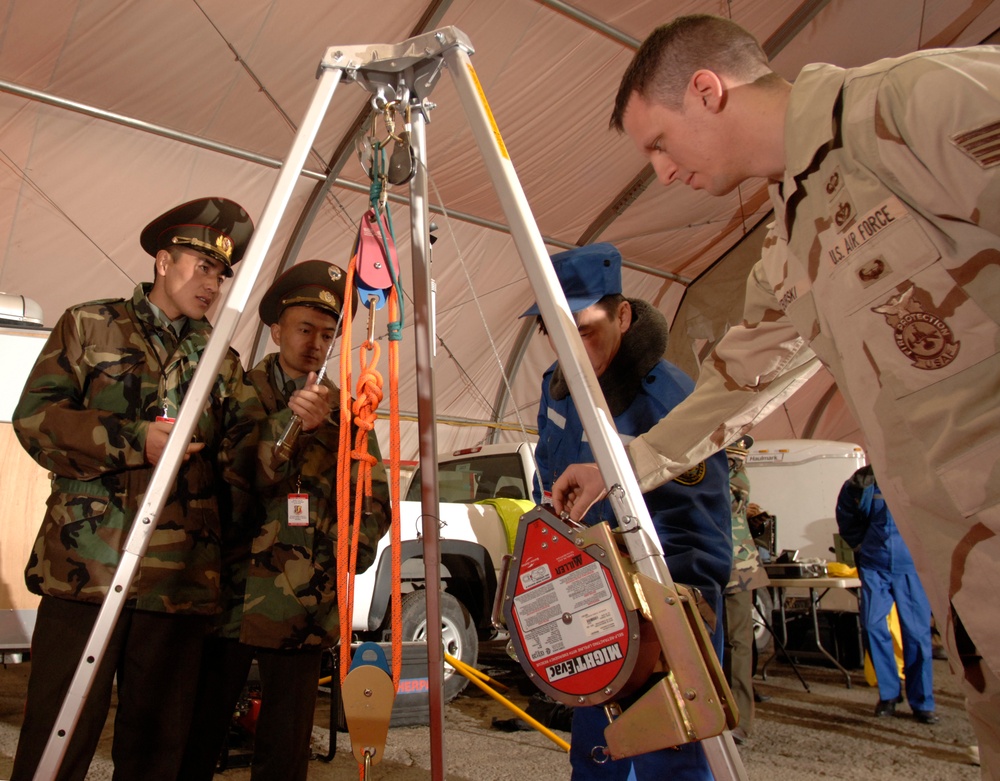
473,539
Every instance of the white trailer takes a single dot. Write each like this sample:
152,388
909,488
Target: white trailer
797,481
24,487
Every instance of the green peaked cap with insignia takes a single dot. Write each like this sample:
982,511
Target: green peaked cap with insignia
216,226
741,445
313,283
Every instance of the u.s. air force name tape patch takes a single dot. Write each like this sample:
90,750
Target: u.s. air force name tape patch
693,476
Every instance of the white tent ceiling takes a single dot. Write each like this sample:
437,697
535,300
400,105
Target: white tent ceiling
216,89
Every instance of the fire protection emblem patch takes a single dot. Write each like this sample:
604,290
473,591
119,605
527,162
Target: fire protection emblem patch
921,336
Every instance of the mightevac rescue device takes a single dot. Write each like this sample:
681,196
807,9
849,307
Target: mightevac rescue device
589,629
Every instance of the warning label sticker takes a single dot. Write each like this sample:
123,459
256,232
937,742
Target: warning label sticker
574,610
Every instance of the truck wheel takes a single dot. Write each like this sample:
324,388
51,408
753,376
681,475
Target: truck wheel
458,634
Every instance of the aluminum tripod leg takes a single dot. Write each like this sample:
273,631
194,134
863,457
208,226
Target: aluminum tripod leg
608,450
429,498
194,402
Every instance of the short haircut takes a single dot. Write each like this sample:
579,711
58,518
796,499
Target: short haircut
608,303
662,67
175,250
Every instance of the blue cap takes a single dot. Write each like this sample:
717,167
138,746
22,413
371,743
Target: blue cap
586,274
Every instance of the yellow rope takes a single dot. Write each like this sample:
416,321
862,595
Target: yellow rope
473,671
473,675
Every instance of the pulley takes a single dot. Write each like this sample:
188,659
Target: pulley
378,264
368,694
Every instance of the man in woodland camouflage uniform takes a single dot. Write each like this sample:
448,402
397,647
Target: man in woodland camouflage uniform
279,579
96,411
882,263
748,574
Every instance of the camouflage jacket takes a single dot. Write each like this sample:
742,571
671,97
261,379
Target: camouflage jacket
104,374
279,581
748,573
882,263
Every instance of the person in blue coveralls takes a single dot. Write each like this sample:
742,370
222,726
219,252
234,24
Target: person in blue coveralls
888,575
625,339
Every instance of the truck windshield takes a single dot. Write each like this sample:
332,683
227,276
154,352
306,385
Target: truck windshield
476,477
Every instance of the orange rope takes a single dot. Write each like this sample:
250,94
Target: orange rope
345,582
362,412
367,399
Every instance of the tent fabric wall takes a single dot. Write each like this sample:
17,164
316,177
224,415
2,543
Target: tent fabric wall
75,189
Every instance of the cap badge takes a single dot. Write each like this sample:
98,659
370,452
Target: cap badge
225,245
334,273
328,297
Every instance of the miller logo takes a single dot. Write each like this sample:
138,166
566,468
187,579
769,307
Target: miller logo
693,476
574,563
921,336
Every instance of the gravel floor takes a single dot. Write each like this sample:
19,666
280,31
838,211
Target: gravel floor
827,733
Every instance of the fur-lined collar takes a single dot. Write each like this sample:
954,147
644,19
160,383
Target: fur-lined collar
641,349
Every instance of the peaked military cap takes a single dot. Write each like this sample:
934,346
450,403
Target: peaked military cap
216,226
314,283
741,446
586,274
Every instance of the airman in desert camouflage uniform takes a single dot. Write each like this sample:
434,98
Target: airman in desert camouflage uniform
882,263
279,578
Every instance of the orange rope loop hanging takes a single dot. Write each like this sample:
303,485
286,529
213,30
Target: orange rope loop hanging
362,414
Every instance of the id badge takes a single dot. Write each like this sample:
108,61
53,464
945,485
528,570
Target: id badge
298,509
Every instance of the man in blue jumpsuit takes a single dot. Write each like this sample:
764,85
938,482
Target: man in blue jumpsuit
625,339
888,574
